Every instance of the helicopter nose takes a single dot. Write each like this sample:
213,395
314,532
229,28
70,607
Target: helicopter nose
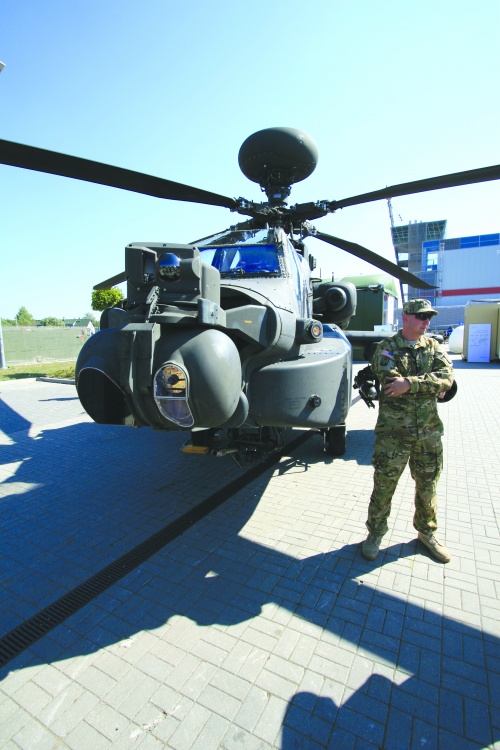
197,378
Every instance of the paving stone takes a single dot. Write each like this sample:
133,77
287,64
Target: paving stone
136,699
33,735
263,610
32,697
212,734
251,708
237,738
270,722
66,721
107,721
16,719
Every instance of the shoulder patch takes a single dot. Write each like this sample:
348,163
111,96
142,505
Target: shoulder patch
387,353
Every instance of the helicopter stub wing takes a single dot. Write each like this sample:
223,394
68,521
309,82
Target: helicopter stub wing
469,177
368,255
53,162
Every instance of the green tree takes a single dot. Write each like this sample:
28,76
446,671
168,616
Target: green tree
51,322
25,318
8,322
104,298
91,317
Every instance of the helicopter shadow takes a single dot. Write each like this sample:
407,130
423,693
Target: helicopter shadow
292,466
75,498
369,717
228,580
217,574
442,688
11,421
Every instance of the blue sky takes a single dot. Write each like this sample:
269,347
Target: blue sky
391,91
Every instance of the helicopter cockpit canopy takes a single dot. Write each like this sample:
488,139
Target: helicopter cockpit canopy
239,237
242,253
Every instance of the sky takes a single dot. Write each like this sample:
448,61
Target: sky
391,92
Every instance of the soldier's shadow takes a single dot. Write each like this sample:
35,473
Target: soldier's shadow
383,714
313,721
216,574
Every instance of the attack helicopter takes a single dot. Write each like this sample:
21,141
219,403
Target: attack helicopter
230,337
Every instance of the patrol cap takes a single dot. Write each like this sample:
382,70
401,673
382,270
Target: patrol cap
418,306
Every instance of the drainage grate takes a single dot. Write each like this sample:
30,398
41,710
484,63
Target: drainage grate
24,635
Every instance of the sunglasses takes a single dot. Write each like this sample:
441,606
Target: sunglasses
423,316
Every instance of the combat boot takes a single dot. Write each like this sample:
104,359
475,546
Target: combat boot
435,547
371,546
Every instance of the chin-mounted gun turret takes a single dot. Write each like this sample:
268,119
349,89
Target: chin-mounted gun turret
369,386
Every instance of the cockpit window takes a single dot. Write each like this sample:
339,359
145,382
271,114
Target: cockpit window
242,260
238,237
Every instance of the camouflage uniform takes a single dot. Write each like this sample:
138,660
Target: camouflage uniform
409,428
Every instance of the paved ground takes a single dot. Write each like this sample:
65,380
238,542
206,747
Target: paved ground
262,626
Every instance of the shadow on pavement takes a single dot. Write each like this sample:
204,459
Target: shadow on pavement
447,693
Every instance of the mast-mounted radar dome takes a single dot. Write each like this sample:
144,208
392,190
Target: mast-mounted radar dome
276,158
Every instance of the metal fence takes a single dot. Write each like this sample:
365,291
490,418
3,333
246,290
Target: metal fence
23,345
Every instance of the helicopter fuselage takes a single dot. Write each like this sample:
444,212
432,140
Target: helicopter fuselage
231,331
223,337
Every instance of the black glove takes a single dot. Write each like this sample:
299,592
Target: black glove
369,386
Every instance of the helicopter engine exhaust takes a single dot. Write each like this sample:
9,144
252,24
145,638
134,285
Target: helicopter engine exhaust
334,302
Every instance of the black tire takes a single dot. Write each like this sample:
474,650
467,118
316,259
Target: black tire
335,438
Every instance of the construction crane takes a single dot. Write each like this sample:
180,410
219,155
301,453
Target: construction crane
391,216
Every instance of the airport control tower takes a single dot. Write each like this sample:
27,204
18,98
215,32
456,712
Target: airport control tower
407,241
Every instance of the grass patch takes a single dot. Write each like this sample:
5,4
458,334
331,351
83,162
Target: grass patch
39,370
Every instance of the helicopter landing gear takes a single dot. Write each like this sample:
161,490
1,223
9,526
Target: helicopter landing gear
251,444
202,441
334,440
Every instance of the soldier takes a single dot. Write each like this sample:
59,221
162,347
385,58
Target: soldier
414,371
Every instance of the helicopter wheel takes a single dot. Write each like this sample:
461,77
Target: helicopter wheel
335,440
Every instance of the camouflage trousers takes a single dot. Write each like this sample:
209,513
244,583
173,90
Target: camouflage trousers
390,455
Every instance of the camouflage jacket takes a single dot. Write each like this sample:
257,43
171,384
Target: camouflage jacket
429,371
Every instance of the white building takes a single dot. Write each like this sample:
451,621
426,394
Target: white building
467,268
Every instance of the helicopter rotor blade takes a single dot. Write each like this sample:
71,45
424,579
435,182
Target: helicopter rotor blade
250,224
52,162
484,174
113,281
376,260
